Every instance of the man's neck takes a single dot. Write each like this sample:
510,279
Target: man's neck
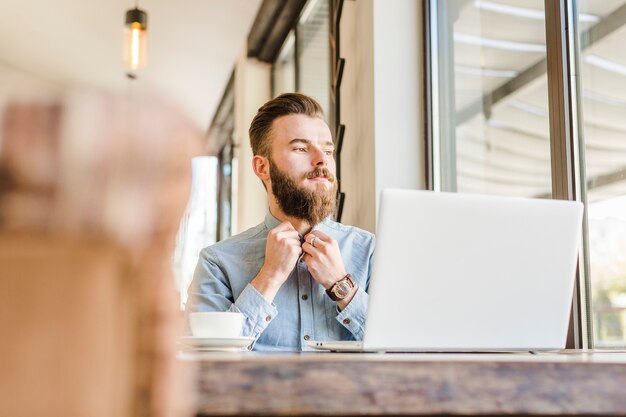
302,226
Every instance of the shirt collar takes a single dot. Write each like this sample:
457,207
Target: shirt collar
271,221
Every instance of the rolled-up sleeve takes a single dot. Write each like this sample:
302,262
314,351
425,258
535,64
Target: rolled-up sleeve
210,290
353,316
258,312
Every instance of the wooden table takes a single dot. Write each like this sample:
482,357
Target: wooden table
315,383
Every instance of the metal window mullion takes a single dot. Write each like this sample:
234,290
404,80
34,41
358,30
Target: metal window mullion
441,113
433,139
565,150
296,57
579,174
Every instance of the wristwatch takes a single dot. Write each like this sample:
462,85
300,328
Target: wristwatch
342,288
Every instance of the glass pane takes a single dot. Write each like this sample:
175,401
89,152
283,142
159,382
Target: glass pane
314,53
284,69
603,82
493,97
197,227
224,192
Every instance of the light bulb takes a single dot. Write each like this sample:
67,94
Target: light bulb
135,38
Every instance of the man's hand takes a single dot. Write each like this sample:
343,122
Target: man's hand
281,254
323,258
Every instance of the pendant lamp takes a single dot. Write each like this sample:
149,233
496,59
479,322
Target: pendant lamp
135,36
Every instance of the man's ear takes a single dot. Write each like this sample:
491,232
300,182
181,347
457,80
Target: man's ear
261,167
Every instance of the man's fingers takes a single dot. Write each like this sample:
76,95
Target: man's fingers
318,238
308,248
287,234
317,252
311,238
284,226
315,241
321,235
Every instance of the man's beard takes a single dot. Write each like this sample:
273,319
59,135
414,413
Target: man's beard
297,201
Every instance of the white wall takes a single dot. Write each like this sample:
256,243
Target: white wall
21,85
398,88
252,89
381,103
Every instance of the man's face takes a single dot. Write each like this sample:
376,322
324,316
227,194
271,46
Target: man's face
302,167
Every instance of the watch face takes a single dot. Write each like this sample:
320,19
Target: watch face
342,289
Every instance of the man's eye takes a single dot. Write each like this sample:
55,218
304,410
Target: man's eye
300,149
329,153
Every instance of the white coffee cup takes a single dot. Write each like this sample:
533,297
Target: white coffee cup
217,324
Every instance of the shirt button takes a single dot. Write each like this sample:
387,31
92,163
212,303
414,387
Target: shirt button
268,318
307,337
305,297
346,321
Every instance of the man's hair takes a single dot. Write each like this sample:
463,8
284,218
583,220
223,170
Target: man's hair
283,105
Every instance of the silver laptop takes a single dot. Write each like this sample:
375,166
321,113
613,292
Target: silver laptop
470,273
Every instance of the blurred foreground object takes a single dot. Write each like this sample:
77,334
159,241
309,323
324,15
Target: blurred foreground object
92,188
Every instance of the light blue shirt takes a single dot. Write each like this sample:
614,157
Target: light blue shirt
301,310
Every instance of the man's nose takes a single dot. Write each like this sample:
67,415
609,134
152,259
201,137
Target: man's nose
320,158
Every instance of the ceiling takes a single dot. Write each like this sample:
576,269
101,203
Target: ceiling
192,46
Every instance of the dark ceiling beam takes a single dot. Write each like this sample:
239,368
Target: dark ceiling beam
599,31
272,24
268,12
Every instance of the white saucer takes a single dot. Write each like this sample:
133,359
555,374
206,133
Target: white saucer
215,343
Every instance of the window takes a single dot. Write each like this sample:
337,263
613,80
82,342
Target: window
313,53
303,63
224,191
208,216
489,124
284,68
198,225
489,60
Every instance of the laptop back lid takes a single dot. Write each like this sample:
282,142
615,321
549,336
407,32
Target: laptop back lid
465,272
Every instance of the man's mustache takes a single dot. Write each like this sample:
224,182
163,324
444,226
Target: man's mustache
321,172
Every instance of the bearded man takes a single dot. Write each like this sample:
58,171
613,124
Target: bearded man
299,275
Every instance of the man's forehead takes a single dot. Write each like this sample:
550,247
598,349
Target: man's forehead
301,127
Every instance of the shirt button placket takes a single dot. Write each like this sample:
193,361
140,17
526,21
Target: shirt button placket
306,308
